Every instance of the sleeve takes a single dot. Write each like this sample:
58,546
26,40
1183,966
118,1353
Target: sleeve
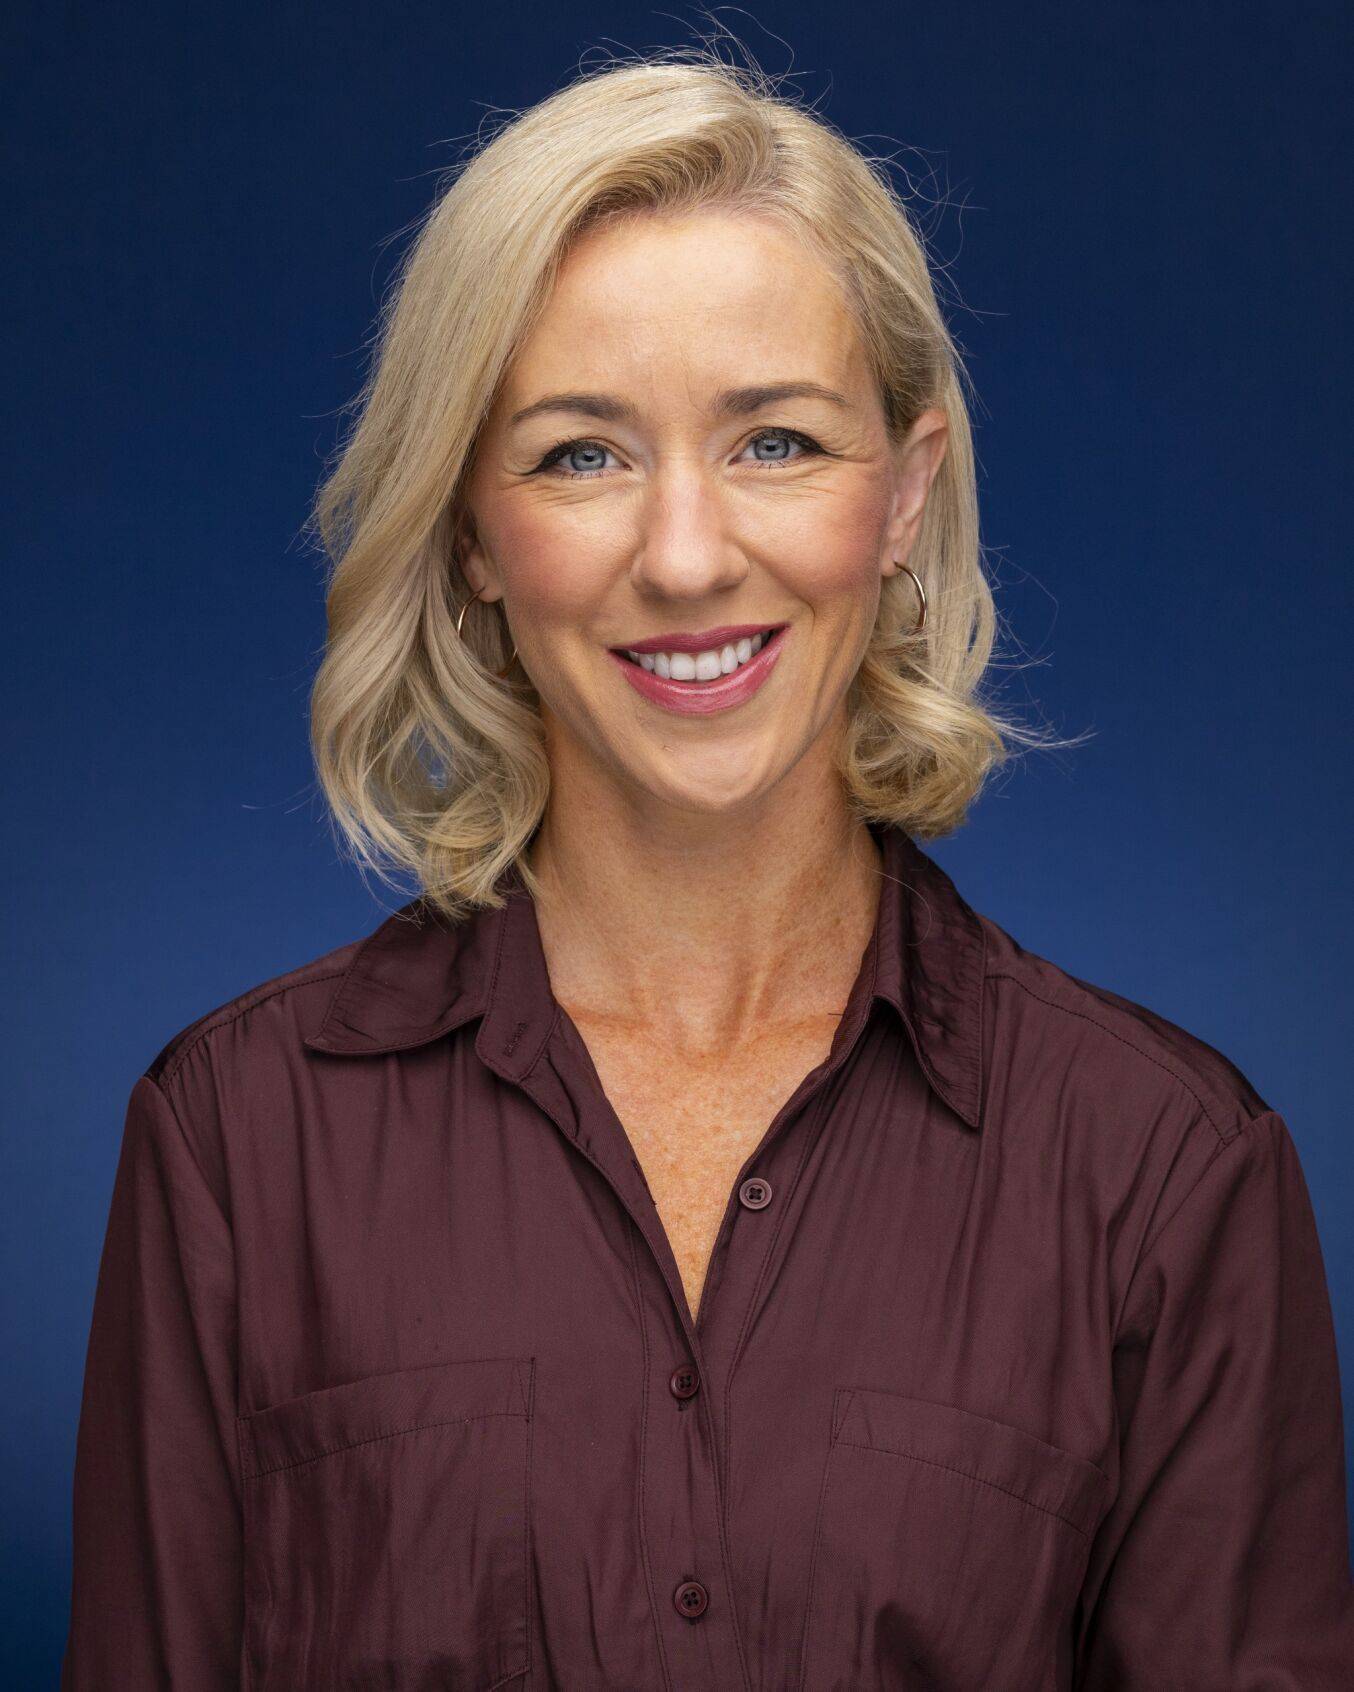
156,1593
1223,1563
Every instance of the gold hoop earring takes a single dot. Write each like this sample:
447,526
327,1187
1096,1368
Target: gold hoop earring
921,595
501,674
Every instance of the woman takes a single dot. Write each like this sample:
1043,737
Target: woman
688,1246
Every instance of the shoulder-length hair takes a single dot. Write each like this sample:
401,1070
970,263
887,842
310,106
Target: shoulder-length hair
431,764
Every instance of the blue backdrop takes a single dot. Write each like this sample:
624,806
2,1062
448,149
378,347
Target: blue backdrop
1144,217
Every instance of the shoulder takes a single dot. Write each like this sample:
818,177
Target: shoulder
235,1065
1105,1049
1131,1107
287,1006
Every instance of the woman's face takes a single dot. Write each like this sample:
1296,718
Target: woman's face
647,476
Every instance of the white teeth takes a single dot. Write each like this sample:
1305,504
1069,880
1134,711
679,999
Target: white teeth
700,666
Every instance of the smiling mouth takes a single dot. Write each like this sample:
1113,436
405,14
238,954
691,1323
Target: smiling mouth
699,668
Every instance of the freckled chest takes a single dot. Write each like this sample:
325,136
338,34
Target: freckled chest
692,1125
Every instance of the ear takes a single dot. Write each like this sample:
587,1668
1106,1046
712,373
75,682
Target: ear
916,459
473,559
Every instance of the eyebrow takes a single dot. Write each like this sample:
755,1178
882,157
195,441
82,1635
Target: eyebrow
729,402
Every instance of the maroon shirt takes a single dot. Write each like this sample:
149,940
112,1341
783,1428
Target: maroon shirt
1014,1365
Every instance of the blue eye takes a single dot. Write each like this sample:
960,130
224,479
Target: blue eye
568,449
577,447
805,442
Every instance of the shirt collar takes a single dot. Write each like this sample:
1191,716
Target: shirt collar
417,977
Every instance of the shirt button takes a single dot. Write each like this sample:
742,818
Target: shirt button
690,1598
755,1193
684,1381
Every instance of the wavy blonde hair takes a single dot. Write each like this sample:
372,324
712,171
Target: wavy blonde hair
432,765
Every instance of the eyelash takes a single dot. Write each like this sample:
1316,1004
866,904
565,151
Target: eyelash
562,449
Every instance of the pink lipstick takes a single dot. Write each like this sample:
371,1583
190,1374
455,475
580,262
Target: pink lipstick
697,698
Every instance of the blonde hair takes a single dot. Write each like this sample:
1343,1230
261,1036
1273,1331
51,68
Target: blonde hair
429,763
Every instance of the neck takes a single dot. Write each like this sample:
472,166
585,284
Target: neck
705,930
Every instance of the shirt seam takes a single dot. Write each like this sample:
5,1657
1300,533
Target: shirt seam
1241,1137
1150,1057
226,1019
192,1155
968,1474
375,1439
239,1477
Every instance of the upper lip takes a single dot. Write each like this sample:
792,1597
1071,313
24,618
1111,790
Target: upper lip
704,640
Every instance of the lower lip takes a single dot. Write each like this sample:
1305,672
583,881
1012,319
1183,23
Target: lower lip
695,699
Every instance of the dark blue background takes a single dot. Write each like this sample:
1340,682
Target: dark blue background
1146,220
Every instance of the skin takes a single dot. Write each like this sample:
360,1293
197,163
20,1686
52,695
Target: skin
705,895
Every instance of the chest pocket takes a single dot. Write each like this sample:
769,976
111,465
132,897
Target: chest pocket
386,1525
948,1552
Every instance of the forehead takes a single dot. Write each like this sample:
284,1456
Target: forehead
720,296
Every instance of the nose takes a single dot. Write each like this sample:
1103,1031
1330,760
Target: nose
686,550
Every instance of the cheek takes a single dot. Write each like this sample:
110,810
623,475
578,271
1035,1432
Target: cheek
829,553
553,578
840,572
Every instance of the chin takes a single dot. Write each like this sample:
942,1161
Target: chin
714,786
